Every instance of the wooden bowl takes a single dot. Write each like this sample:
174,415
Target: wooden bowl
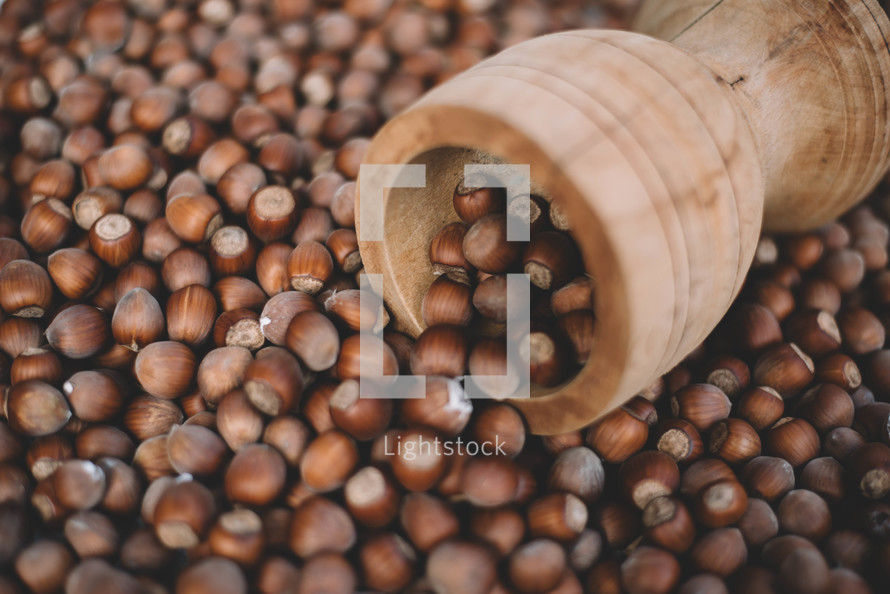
665,157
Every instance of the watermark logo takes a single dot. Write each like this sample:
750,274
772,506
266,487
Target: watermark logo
373,181
420,446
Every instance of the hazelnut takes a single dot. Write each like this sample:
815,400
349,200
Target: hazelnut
44,565
320,525
195,450
760,407
840,370
137,320
165,369
148,416
795,440
785,368
272,213
125,167
115,239
362,418
329,459
371,497
314,339
236,292
256,475
91,534
825,477
238,327
447,256
768,477
237,421
473,203
650,569
668,523
237,535
36,408
702,473
805,514
46,225
758,524
721,503
721,552
387,562
194,217
815,332
94,395
551,260
618,435
187,137
79,484
191,312
232,252
486,247
447,302
679,439
537,566
560,516
869,467
418,459
703,405
461,566
730,374
489,481
734,441
25,289
273,381
309,267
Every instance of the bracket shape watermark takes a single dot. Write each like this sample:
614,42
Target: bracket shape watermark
514,383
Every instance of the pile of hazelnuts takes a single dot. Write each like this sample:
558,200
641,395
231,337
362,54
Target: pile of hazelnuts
180,324
465,309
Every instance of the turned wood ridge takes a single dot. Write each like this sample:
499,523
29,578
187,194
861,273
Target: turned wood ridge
668,156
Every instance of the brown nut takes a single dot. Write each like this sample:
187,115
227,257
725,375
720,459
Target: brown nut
768,477
795,440
703,405
804,513
785,368
165,369
328,461
647,475
272,213
190,315
25,289
273,381
618,435
668,523
36,408
256,475
721,552
447,256
115,239
734,441
679,439
721,504
183,514
318,525
760,407
869,468
486,247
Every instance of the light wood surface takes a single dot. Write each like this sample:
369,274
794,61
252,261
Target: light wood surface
661,161
811,77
